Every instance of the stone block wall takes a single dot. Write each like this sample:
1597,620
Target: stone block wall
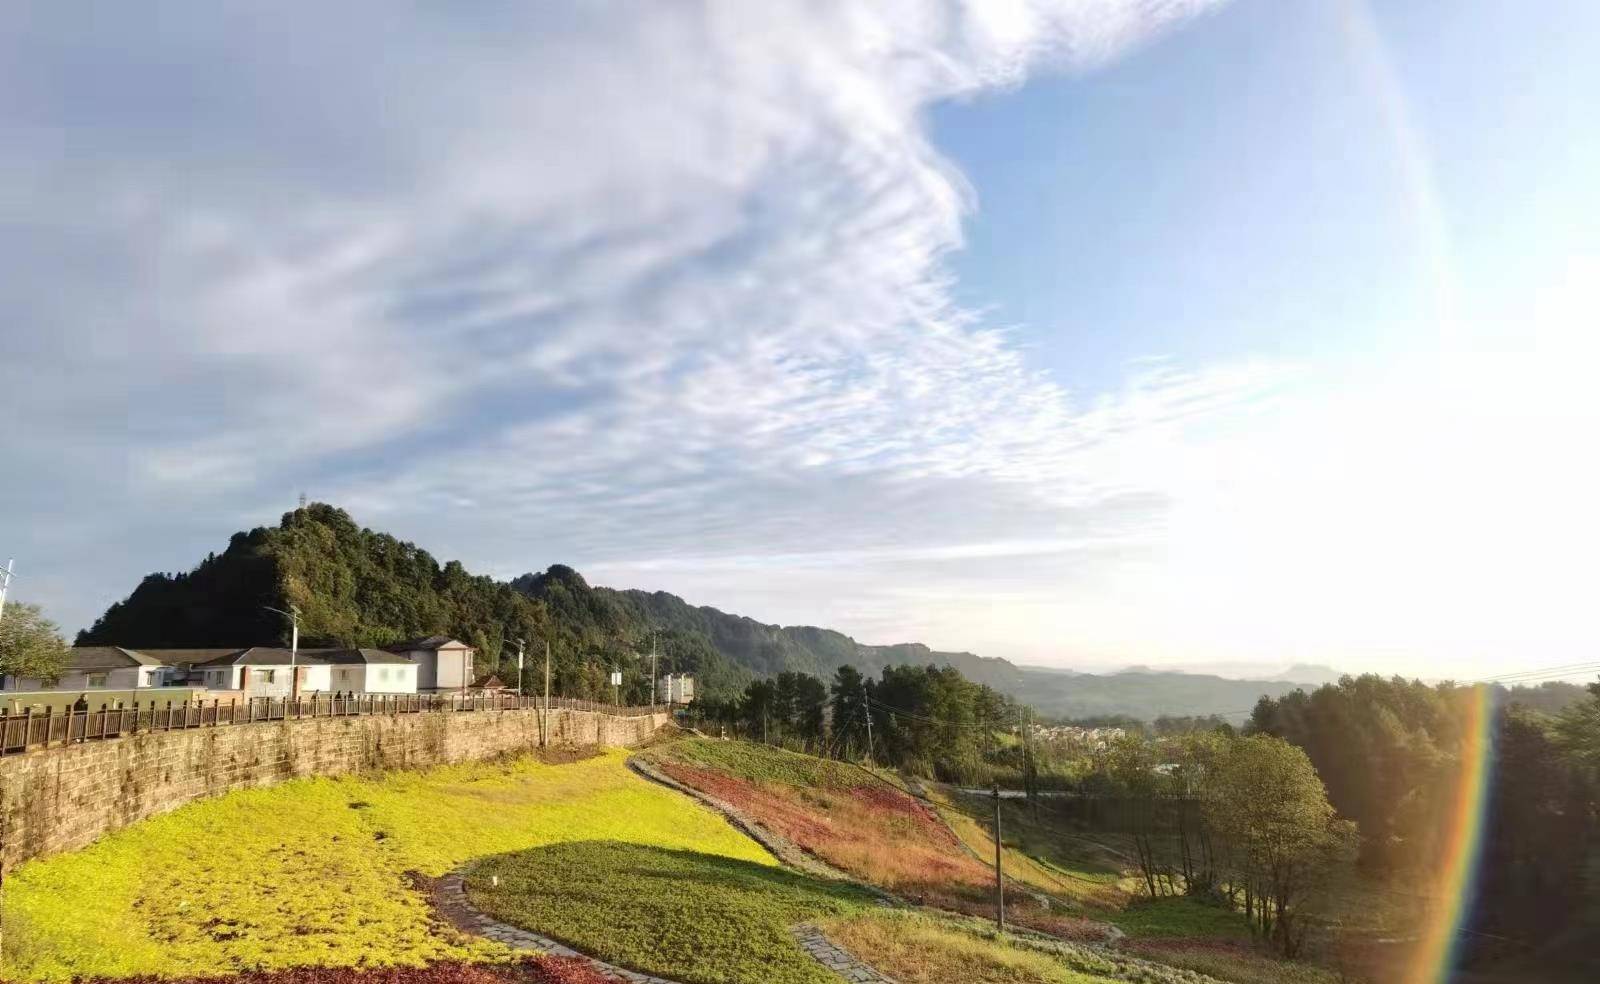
60,799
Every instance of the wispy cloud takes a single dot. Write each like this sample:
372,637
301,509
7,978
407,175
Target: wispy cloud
616,285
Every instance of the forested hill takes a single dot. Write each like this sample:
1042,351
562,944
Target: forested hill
358,587
772,649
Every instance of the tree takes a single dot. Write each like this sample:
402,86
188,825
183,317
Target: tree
849,712
1577,731
1133,763
1281,836
30,644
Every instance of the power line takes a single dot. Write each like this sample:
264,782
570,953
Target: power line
1571,669
929,720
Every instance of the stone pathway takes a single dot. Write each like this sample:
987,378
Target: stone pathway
454,906
834,957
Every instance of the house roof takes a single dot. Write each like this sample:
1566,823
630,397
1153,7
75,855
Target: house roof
186,657
272,656
265,656
345,656
427,642
92,658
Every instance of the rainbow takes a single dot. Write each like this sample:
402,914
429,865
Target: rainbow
1434,956
1453,892
1413,163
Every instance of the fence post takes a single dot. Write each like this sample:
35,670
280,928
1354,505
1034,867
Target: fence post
27,726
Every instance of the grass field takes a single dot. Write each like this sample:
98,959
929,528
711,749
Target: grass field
1093,885
697,917
917,949
527,970
316,871
882,835
863,825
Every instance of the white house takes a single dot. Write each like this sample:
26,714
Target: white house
102,668
262,671
371,671
256,671
677,688
444,665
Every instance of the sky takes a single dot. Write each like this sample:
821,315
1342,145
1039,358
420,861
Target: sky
1086,333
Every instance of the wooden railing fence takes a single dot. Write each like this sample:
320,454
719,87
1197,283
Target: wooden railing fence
28,730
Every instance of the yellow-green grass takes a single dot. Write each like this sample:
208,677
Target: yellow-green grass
1238,965
314,871
767,764
695,917
1079,867
1091,887
915,948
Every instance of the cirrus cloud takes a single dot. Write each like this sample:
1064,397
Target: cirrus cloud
642,287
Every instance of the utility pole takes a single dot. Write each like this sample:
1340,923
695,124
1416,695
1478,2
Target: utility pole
999,877
547,692
652,669
867,709
5,582
521,650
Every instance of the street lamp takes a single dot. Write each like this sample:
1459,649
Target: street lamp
521,649
5,582
293,615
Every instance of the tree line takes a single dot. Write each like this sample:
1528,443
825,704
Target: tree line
927,720
1242,821
1391,752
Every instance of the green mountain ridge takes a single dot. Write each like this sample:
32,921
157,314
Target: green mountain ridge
357,587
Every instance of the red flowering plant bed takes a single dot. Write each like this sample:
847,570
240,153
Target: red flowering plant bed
531,970
857,823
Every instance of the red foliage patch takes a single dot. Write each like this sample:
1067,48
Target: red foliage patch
532,970
885,837
873,831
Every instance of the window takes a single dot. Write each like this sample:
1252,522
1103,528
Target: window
265,676
97,679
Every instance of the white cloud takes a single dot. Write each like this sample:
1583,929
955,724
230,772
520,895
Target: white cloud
528,284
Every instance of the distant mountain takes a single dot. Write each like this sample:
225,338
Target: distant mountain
1143,693
1310,674
358,587
766,649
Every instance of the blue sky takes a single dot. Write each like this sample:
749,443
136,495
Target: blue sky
1088,333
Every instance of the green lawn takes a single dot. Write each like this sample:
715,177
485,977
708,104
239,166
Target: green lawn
315,871
1180,916
696,917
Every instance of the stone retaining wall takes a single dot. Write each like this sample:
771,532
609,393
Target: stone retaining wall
60,799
